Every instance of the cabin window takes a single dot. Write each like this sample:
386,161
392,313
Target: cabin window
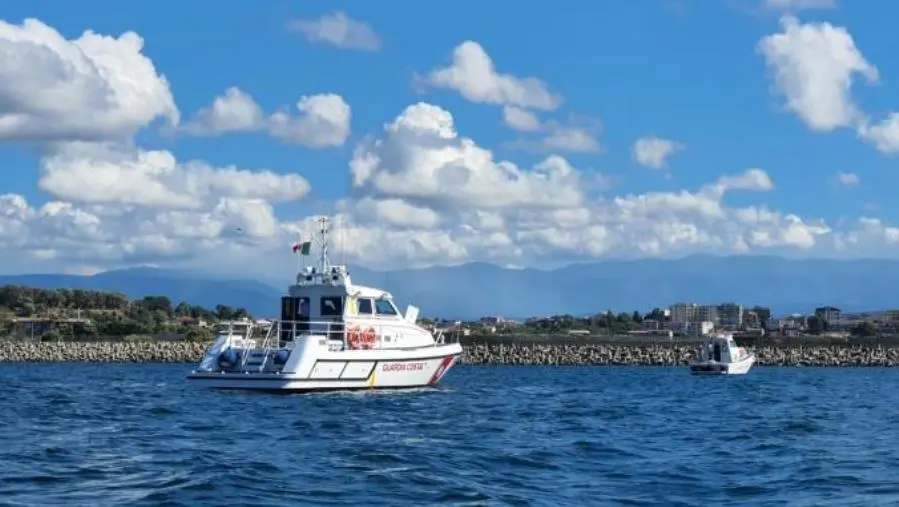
385,307
302,308
331,306
366,307
294,308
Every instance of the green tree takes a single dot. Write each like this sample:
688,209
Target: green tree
864,329
51,336
199,334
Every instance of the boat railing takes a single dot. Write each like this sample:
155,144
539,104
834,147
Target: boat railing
385,334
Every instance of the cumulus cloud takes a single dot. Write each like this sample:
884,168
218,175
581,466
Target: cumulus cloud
321,121
338,30
473,74
500,212
422,156
814,66
847,179
422,193
104,173
884,135
579,136
520,119
234,111
653,152
95,87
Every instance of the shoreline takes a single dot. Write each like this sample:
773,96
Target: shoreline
477,353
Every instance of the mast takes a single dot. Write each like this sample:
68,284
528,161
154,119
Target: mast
323,228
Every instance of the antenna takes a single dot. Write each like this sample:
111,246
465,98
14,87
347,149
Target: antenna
323,221
342,241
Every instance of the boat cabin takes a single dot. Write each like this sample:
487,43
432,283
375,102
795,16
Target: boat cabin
326,303
720,348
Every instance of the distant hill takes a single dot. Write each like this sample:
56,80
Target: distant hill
473,290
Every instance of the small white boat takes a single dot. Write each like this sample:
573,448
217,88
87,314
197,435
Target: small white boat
720,355
333,335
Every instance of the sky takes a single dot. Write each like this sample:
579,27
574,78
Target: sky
534,136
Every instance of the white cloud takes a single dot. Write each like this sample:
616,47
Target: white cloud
422,156
884,135
653,152
234,111
520,119
799,5
574,137
475,77
106,174
814,65
569,138
323,120
422,193
91,88
338,30
847,179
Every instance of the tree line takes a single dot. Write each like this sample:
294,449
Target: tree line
102,313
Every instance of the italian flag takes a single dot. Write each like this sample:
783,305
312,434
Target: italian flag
302,247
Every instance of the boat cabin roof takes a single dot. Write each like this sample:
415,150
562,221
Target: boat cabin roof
726,339
362,291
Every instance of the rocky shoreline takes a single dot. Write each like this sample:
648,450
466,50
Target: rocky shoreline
475,353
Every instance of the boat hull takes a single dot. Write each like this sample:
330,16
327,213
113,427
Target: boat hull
714,368
341,374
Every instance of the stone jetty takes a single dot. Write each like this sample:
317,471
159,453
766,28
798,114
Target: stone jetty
475,353
674,355
103,352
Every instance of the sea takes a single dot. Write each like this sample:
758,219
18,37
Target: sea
138,434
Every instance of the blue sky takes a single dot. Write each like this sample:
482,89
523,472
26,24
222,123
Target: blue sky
684,71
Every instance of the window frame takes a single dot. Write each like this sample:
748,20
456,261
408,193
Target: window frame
371,306
322,306
390,304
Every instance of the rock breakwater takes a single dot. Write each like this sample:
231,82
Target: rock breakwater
475,353
103,352
673,355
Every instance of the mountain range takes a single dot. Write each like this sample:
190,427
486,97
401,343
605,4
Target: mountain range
473,290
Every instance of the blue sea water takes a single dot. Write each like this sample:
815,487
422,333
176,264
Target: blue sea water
95,434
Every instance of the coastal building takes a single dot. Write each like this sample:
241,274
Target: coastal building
191,322
891,317
707,313
696,328
762,312
794,323
651,325
692,312
829,313
730,315
751,320
33,327
683,312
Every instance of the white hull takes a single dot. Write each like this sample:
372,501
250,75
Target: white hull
311,366
740,367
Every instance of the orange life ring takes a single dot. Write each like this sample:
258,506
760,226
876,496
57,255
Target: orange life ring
368,338
353,338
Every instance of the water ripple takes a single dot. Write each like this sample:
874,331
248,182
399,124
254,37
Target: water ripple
79,434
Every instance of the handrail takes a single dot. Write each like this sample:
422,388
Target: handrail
281,331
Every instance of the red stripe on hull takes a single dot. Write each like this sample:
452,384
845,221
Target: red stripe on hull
441,370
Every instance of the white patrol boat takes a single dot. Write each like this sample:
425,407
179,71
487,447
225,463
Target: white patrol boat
332,335
720,355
